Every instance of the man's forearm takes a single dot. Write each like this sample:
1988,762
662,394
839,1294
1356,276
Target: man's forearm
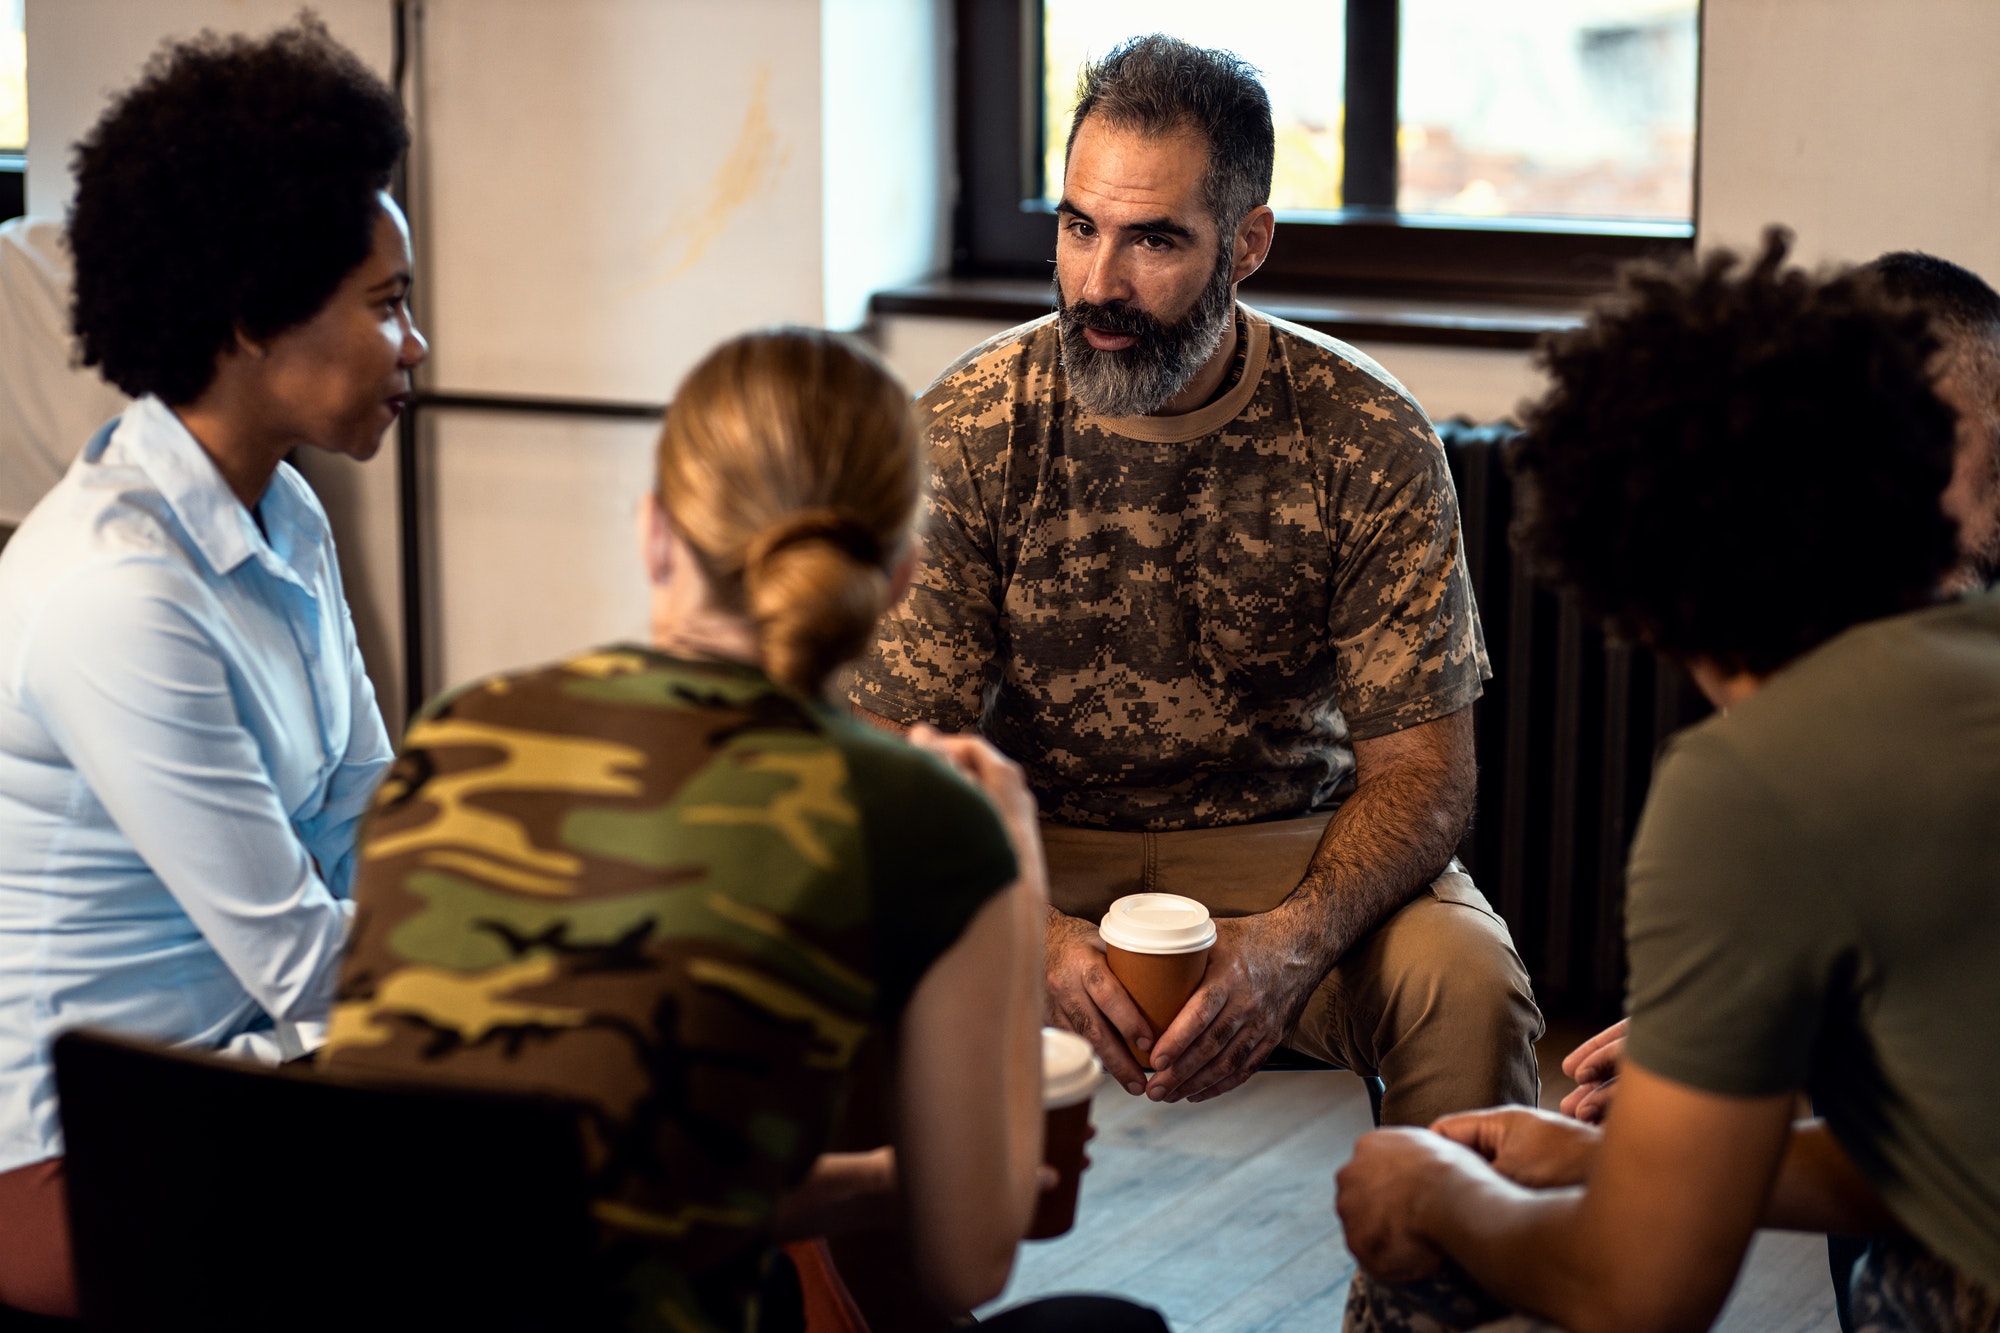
1681,1182
1388,840
1524,1247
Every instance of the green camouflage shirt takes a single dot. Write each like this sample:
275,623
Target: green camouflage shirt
674,892
1182,622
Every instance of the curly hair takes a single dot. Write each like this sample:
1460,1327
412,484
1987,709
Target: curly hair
231,189
1739,463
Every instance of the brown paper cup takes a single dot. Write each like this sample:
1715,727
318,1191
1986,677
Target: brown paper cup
1067,1128
1071,1072
1157,946
1160,985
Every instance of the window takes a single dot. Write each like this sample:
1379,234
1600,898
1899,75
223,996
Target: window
1427,148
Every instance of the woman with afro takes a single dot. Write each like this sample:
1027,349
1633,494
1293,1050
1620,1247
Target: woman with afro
187,738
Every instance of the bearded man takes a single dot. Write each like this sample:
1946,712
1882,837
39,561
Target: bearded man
1199,571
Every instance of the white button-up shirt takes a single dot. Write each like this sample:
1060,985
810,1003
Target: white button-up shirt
187,740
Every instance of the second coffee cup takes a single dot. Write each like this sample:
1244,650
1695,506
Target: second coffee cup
1070,1073
1157,946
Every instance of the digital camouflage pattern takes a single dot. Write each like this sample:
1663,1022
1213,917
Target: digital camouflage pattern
1182,622
644,884
1447,1302
1901,1287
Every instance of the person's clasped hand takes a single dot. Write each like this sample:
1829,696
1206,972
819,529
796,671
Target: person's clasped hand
1380,1193
1086,999
1594,1066
1533,1148
1257,985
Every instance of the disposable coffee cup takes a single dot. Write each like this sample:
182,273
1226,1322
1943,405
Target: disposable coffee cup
1070,1073
1157,945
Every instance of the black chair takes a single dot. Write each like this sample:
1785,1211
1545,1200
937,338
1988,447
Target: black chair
208,1193
1286,1060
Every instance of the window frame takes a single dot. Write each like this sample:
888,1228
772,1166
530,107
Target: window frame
1003,229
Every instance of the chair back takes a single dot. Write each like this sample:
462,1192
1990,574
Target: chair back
210,1193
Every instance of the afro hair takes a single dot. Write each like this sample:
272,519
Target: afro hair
229,191
1736,463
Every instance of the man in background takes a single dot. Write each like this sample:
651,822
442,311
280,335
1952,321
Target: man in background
1965,315
1199,571
1741,466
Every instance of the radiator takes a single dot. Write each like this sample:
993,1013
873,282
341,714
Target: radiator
1567,732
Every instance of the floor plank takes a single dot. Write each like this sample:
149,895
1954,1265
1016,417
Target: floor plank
1196,1209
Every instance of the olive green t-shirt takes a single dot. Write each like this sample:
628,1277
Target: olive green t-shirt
1814,904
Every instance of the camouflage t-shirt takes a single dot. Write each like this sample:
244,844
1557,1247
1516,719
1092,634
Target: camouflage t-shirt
1182,622
678,894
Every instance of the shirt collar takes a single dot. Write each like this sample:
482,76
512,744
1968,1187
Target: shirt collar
153,439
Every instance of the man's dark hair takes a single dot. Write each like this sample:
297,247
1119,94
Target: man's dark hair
1162,85
1953,295
231,189
1739,463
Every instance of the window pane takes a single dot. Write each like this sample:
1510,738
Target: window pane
1561,108
13,78
1299,47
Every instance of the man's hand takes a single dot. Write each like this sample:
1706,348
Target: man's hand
1538,1149
1085,998
1380,1196
1259,979
1594,1066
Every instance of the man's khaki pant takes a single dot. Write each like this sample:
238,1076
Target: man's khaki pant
1434,1001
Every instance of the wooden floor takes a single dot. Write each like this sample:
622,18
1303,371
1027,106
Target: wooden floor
1221,1215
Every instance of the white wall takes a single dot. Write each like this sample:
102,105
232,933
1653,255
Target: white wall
535,542
1865,126
610,185
607,188
80,52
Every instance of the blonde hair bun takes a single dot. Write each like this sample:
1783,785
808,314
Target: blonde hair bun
790,462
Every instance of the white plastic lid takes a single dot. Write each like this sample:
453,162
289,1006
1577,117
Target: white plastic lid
1157,923
1070,1069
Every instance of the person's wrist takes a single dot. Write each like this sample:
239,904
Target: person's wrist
1432,1191
1292,934
1063,936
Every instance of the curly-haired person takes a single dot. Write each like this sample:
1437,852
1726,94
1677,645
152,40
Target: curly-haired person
1744,468
187,738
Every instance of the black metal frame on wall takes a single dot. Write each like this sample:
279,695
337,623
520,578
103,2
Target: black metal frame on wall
413,491
413,506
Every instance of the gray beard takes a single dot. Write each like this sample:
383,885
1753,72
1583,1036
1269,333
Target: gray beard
1141,378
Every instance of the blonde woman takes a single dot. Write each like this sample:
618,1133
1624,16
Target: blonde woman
670,881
